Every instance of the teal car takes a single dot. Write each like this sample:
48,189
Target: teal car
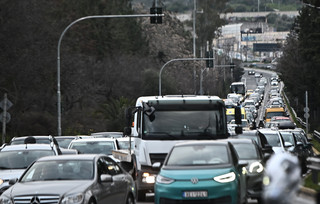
201,172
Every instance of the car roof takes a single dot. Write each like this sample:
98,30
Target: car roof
36,146
93,139
72,157
240,140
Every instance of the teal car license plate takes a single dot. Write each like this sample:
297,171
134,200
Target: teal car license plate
195,194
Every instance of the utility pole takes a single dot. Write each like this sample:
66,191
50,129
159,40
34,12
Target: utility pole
194,43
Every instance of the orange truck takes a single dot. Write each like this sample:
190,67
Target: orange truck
270,112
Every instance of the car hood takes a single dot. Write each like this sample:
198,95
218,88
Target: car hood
49,187
11,174
200,173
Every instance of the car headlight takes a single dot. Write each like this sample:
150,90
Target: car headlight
5,200
256,167
148,178
73,199
1,181
225,178
164,180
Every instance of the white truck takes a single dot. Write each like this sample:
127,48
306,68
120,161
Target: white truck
161,121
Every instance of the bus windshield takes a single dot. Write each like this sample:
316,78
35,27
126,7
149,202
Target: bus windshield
238,88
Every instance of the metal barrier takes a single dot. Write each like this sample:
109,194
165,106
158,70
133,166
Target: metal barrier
314,165
316,135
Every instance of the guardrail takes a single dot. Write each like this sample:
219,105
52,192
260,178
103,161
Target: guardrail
314,165
316,135
300,120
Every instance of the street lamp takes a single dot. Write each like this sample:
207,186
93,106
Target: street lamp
58,52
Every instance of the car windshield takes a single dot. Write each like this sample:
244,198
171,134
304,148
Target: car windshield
288,137
64,142
21,159
246,151
199,155
93,147
185,124
60,170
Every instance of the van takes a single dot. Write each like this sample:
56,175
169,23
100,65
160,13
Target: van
271,112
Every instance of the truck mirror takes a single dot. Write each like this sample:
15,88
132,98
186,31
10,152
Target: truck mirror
127,131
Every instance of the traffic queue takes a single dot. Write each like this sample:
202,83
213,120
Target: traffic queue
87,168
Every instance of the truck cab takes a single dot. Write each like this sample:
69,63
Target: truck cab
159,122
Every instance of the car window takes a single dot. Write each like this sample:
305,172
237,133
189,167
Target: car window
198,155
21,159
288,137
246,151
93,147
64,142
107,166
273,140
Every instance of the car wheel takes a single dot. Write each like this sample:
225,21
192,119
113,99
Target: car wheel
92,201
130,199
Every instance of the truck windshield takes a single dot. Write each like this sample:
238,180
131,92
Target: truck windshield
185,125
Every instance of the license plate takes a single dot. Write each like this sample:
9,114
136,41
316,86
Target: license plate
195,194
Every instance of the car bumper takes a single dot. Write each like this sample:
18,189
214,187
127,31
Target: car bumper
217,192
254,185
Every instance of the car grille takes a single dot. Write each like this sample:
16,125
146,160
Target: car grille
39,199
222,200
157,158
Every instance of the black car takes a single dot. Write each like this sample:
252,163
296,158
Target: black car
300,147
248,151
251,72
260,139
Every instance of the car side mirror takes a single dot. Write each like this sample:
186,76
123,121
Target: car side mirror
242,163
156,165
13,181
106,178
288,144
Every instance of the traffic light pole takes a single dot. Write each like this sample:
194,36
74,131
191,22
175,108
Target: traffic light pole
178,59
59,44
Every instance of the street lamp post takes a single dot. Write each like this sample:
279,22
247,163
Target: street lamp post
58,51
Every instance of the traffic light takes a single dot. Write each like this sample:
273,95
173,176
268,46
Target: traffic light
209,63
156,19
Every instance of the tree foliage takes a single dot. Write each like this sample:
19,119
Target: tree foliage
300,62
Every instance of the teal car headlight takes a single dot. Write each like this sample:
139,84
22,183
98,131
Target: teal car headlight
164,180
73,199
256,167
5,200
225,178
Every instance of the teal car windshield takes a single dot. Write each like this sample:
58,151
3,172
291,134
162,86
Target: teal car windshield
196,155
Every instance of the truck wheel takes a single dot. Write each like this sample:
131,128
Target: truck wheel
141,196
